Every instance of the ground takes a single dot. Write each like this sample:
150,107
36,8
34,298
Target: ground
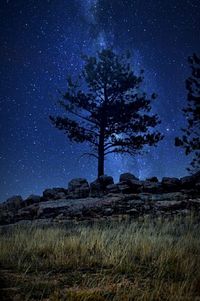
145,259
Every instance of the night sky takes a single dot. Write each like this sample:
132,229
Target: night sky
41,43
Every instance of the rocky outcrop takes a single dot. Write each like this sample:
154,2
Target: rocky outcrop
112,188
190,182
171,184
99,186
132,205
104,199
78,188
55,193
135,185
127,176
152,179
32,199
152,187
13,203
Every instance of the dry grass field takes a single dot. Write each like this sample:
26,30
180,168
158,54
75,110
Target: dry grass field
146,260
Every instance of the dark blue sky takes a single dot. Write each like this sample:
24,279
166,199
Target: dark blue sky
41,43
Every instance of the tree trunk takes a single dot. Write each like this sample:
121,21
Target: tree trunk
101,154
100,164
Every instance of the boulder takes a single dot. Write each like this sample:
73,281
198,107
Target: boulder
170,205
55,193
27,213
13,203
95,189
32,199
6,217
124,187
196,177
152,187
108,211
78,188
171,184
197,186
132,212
194,203
52,208
172,196
127,176
152,179
187,182
101,186
135,185
112,188
105,181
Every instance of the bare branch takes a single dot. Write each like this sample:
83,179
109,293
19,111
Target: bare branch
78,115
90,155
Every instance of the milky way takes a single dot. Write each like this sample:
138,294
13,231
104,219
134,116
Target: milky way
42,42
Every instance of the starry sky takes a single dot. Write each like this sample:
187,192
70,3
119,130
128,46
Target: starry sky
41,43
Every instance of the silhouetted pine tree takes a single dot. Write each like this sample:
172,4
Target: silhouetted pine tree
110,111
190,140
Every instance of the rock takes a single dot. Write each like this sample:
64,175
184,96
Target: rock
55,193
112,188
105,181
113,198
196,177
191,182
76,183
127,176
108,211
95,189
184,211
187,182
134,185
152,179
152,187
173,196
60,217
171,184
197,186
170,205
78,188
135,203
124,188
32,199
6,217
101,185
146,207
50,209
194,203
13,203
132,211
145,197
27,213
130,196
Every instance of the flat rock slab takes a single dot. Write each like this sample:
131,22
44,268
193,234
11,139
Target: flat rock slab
170,205
74,204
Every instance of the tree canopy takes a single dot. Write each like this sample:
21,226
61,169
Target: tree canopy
107,108
190,141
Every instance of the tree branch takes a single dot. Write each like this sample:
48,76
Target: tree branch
78,115
90,155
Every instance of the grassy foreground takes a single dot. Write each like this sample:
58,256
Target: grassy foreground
145,260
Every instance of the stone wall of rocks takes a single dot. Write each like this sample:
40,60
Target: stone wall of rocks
103,197
128,183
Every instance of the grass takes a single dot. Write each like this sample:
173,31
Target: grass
147,260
